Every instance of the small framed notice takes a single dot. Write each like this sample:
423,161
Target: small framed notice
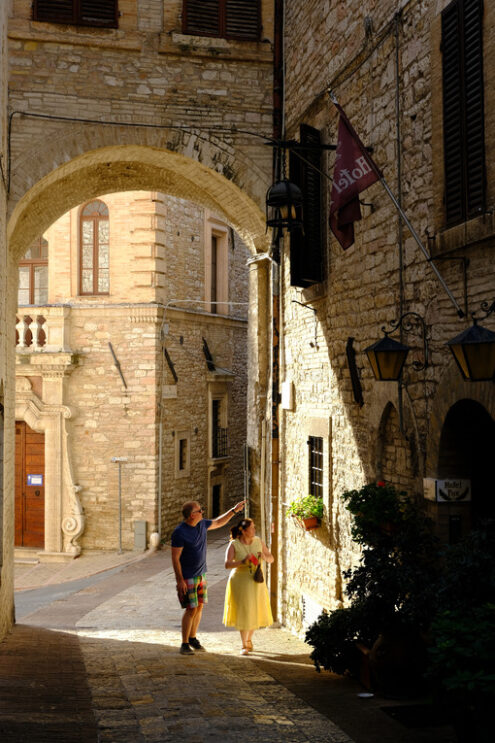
35,480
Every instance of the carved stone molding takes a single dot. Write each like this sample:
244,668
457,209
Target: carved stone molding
64,515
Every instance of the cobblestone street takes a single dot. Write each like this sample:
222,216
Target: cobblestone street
102,664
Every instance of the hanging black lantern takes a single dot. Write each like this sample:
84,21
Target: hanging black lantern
474,352
387,357
284,206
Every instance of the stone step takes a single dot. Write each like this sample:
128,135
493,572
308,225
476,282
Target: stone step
26,556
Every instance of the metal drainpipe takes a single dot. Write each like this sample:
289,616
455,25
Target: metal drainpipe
278,127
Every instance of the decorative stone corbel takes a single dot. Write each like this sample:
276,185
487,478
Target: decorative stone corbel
73,519
73,524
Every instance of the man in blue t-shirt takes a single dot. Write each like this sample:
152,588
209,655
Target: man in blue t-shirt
189,562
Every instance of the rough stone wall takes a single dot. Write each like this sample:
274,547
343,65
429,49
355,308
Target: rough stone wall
147,73
6,361
352,49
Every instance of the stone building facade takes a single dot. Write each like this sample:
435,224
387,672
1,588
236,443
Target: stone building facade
150,103
386,63
143,359
6,377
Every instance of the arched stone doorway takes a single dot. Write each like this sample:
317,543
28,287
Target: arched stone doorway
467,443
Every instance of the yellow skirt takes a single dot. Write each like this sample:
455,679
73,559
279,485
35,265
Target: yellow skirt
247,604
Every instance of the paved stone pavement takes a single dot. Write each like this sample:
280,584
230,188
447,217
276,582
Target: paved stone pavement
103,665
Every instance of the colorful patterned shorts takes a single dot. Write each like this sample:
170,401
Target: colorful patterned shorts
197,592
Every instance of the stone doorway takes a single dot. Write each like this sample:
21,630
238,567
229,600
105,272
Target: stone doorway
466,450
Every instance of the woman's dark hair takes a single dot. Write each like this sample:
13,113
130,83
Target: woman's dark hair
237,529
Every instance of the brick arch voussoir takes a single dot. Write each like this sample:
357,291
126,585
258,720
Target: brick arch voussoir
81,165
452,389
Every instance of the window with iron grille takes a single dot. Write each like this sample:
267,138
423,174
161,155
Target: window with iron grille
315,459
306,246
463,110
102,13
94,249
219,444
226,19
33,275
183,454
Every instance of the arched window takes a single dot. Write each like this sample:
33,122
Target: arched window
93,249
33,275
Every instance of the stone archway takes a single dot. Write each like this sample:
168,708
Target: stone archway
132,166
396,460
466,450
451,389
90,162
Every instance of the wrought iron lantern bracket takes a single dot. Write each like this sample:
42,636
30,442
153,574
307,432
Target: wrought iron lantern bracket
407,322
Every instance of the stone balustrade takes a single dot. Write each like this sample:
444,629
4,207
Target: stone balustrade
42,329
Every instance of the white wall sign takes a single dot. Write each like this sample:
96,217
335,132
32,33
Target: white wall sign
447,491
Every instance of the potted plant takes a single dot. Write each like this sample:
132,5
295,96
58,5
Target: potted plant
308,510
390,591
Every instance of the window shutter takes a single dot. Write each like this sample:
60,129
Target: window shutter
201,17
98,13
463,110
475,129
101,13
452,114
231,19
242,19
306,253
54,11
296,236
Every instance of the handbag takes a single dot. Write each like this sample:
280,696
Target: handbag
258,575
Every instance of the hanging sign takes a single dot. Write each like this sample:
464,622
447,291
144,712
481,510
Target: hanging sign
447,491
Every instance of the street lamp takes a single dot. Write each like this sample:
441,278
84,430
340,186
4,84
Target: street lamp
387,356
474,349
284,206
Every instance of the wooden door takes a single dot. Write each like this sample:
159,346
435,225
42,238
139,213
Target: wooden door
29,487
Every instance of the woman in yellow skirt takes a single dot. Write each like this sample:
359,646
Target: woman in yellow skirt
247,604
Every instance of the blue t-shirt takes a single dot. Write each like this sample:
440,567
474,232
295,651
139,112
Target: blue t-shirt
192,539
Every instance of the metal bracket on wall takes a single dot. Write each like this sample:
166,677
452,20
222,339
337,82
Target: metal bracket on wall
313,344
170,365
117,365
353,370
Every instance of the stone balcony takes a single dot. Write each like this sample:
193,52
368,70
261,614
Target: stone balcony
43,329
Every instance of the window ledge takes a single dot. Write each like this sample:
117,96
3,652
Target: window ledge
314,293
111,38
463,235
208,46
